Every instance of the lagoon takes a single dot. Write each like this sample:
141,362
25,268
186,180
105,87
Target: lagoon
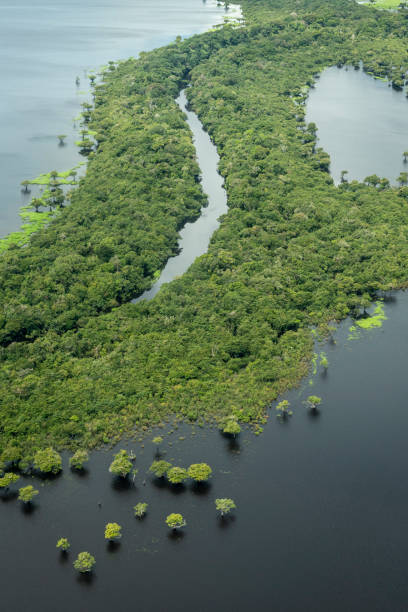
362,123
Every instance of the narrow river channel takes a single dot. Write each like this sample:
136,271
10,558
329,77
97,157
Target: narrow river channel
194,237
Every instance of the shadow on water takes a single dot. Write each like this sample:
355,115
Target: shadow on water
176,535
113,546
86,579
201,488
224,522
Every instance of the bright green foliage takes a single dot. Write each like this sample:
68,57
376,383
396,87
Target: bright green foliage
177,475
324,362
84,562
313,401
113,531
160,468
78,459
175,521
121,464
374,320
63,544
224,505
8,479
232,427
283,409
48,461
140,509
200,472
157,440
27,494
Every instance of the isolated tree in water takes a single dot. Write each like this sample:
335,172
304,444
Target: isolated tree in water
313,402
200,472
175,521
27,494
25,184
84,562
78,459
63,544
121,464
283,410
224,505
113,532
140,509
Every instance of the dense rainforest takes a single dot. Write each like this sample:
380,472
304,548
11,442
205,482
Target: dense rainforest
80,364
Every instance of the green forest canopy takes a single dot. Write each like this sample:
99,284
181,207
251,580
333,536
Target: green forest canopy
80,365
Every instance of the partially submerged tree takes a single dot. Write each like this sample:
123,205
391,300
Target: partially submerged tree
157,441
313,402
160,468
84,562
8,479
78,459
403,178
140,509
224,505
25,184
343,178
121,464
283,409
113,532
47,461
232,427
177,475
27,494
175,521
200,472
63,544
61,138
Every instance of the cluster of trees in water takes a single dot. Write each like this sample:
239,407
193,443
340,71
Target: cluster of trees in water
49,462
79,364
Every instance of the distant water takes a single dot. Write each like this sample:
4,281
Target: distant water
362,123
44,46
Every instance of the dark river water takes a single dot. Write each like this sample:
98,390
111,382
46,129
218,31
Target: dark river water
44,46
362,123
321,500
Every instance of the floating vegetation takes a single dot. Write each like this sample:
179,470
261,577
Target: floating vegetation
375,320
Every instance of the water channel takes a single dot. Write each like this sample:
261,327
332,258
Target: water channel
321,503
194,237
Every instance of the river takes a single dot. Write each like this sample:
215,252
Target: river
44,46
195,237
